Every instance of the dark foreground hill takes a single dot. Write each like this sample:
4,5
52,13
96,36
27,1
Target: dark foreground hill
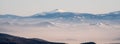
10,39
88,43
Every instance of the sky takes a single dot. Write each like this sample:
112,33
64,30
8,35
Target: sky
30,7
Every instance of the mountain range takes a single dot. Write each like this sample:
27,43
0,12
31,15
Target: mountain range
55,16
58,14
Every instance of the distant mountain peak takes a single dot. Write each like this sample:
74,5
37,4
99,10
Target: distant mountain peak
58,10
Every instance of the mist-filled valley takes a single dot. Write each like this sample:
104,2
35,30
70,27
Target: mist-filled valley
68,27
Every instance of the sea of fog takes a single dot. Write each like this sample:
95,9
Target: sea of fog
68,27
68,33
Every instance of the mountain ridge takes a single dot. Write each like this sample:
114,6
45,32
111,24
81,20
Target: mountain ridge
59,17
63,13
10,39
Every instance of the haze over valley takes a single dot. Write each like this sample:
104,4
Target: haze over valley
68,27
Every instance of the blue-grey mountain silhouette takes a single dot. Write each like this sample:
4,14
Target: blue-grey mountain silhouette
45,19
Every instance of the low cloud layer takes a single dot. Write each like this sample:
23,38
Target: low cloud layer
64,27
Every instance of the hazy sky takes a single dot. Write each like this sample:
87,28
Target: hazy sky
30,7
